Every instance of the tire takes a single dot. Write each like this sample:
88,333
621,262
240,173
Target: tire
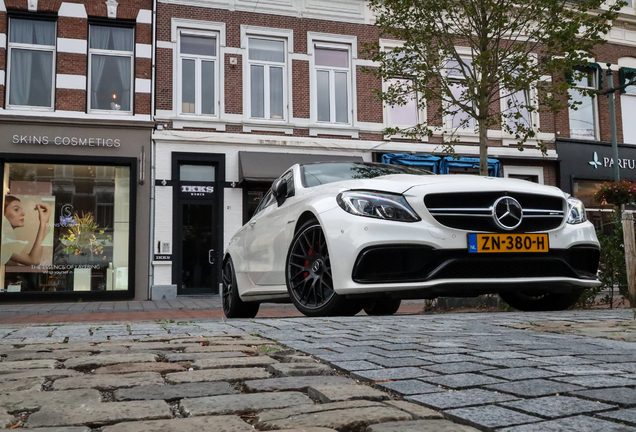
233,306
541,302
382,306
308,274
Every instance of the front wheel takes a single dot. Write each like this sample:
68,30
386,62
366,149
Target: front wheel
308,274
540,302
233,306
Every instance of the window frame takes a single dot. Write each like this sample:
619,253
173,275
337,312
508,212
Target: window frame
337,46
524,170
595,78
533,96
198,58
32,47
266,82
113,53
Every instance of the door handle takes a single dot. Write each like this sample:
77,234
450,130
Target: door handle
211,257
251,223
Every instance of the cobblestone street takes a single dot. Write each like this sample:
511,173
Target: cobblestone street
453,373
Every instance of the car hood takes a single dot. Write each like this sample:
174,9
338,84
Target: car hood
416,184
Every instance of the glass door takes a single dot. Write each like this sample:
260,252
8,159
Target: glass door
198,248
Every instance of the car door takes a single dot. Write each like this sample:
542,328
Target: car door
266,239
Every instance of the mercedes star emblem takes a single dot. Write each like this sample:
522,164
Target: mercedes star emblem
507,213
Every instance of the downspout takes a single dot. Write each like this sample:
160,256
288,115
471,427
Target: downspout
151,272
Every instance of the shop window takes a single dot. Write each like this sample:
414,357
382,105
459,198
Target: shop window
267,72
253,193
65,228
332,73
110,65
31,63
599,214
198,75
583,123
456,72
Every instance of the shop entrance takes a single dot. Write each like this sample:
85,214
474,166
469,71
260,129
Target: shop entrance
198,239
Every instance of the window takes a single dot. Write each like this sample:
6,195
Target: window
583,118
65,228
628,106
333,87
267,78
518,102
529,173
407,114
110,65
456,73
198,63
31,63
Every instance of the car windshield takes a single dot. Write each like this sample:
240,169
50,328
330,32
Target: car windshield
323,173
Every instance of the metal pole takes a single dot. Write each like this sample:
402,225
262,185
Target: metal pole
612,113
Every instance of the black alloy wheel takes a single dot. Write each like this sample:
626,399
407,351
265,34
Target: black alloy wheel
541,302
233,306
308,274
382,306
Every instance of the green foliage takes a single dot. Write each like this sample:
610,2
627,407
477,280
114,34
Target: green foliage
613,271
616,192
499,50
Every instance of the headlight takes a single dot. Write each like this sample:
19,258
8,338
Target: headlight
576,211
378,205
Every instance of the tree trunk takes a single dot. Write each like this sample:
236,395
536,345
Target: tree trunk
630,256
483,148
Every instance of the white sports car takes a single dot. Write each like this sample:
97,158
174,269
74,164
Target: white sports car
339,237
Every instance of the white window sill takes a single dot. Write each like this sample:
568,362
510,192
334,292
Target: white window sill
111,112
29,108
268,127
198,122
338,130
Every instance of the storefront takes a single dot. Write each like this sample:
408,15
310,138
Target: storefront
76,213
585,165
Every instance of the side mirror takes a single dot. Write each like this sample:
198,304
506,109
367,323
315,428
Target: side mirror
279,190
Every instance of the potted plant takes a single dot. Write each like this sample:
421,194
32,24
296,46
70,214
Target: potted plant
85,241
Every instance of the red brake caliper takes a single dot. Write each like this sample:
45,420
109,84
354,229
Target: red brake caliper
310,252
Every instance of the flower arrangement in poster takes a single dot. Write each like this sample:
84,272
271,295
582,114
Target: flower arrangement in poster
616,192
84,237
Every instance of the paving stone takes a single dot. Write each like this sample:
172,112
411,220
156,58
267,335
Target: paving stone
400,362
62,429
6,419
220,348
12,366
557,406
232,362
177,391
598,381
330,416
500,355
390,374
489,416
299,369
105,360
420,426
99,414
44,373
417,411
564,360
242,403
460,398
33,383
336,392
627,367
108,381
354,365
191,424
510,363
310,429
571,424
627,416
30,400
534,388
461,367
126,368
583,369
460,381
611,358
617,395
39,355
178,357
294,383
410,387
448,358
520,373
235,374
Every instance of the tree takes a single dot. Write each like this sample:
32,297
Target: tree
466,59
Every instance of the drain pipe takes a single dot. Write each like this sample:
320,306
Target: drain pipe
151,271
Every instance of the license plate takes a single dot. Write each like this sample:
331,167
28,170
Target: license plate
498,243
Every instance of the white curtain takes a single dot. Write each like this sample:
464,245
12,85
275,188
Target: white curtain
123,41
21,63
257,78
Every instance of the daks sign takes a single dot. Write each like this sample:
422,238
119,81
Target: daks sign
196,191
607,162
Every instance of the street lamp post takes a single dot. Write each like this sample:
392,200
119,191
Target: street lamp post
612,112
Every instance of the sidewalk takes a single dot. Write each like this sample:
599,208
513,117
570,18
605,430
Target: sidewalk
186,308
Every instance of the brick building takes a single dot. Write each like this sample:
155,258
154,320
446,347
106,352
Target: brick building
245,89
75,148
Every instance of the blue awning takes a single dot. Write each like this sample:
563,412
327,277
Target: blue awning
448,162
427,161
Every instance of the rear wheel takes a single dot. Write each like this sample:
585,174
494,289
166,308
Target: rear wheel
233,306
537,302
382,306
308,274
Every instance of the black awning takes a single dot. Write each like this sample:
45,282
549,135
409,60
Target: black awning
262,166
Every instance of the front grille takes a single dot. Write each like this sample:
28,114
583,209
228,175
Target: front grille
472,211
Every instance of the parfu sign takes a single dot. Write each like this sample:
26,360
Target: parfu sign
71,141
608,162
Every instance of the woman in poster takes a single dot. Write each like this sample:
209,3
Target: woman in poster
14,216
